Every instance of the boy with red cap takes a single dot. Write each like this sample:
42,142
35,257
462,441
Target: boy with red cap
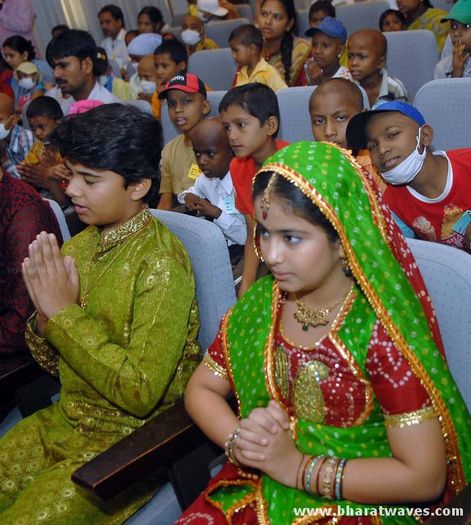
187,106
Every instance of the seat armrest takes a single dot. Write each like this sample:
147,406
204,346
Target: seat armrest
161,441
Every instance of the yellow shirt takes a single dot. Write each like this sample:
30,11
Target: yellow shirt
206,43
263,73
179,167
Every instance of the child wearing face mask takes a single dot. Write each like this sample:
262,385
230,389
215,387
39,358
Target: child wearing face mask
30,83
15,141
193,35
428,191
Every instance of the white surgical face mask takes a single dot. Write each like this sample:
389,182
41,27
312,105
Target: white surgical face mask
407,170
27,83
4,132
191,37
148,87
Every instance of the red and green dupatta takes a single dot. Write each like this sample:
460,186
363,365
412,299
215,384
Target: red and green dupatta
390,289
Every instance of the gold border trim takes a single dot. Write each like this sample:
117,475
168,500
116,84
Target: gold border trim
410,418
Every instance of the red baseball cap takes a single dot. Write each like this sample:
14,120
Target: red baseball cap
183,81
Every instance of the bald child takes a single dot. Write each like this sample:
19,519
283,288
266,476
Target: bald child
331,106
366,51
213,195
148,76
193,35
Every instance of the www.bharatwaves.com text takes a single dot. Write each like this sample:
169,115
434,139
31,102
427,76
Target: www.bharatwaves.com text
381,511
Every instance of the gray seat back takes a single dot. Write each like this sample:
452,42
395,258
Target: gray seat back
419,67
447,275
215,67
209,257
446,105
295,121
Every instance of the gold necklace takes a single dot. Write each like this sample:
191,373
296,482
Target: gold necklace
308,316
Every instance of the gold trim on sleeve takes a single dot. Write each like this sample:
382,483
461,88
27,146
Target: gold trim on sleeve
410,418
215,367
46,357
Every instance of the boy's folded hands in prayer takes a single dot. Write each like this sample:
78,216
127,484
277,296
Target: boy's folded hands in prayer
52,280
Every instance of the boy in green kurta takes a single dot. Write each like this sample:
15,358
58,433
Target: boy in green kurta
116,321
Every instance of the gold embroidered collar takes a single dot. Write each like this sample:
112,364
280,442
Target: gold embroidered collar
123,231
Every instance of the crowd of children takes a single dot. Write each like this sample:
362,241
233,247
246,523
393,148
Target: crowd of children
104,162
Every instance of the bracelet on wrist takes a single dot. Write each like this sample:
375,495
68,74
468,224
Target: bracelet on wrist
229,447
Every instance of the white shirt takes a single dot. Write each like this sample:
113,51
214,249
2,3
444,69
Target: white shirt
116,49
220,193
97,93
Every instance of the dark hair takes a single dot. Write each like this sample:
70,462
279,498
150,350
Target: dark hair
394,12
286,48
258,100
114,11
75,43
101,63
59,29
113,137
322,5
295,200
153,13
134,32
44,107
175,49
20,44
248,35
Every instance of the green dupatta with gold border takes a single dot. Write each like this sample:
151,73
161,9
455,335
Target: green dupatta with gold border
336,184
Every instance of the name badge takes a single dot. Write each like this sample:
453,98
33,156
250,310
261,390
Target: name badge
229,204
194,172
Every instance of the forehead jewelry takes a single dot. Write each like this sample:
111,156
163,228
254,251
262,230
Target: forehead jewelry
265,203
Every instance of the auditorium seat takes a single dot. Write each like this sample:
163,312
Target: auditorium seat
215,66
220,31
446,105
294,114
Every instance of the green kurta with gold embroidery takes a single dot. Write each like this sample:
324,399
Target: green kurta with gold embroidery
123,355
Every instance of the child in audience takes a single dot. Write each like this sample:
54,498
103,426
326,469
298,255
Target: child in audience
144,84
169,58
30,85
246,43
42,167
187,105
429,192
328,44
212,194
117,86
367,50
331,106
392,20
15,141
193,35
335,361
251,118
319,10
458,64
116,321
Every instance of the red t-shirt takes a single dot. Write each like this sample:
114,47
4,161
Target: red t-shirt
242,173
433,219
